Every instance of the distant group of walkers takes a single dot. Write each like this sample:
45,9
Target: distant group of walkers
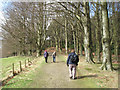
46,56
72,62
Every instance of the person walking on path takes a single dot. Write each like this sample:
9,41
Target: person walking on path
46,55
72,62
54,56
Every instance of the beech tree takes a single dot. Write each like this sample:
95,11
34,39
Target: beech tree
82,26
107,62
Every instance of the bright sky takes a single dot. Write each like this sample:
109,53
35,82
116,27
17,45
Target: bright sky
1,19
1,14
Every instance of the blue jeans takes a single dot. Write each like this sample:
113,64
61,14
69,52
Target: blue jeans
53,59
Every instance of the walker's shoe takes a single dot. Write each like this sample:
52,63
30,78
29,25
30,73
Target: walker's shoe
71,77
74,78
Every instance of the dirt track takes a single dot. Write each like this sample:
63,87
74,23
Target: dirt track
56,75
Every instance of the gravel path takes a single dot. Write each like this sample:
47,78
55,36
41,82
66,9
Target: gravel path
55,75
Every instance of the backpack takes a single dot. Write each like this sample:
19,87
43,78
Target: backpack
73,58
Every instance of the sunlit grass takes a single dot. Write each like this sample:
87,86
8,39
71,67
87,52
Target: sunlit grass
23,79
7,64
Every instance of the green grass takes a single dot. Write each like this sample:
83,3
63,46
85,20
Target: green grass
62,58
115,65
7,64
89,69
23,79
20,81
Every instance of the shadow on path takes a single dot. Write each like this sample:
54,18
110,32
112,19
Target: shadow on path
86,76
117,69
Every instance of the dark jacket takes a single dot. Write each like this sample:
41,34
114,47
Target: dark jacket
69,61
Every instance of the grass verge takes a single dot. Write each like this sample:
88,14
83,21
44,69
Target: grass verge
23,79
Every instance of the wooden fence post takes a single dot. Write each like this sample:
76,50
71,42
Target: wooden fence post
28,61
25,63
13,70
20,66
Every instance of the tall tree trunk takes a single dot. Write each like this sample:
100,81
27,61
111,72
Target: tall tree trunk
56,40
74,38
51,43
98,34
80,49
107,62
45,19
60,45
24,29
38,42
66,37
77,42
116,47
33,29
115,30
87,37
56,44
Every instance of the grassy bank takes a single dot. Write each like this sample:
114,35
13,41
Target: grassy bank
23,79
7,64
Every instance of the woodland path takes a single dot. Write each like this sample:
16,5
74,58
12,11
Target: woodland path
56,75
